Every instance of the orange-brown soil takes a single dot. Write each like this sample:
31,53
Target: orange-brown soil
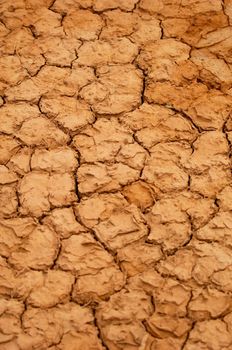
115,175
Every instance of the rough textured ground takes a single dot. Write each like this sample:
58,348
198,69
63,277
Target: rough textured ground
115,175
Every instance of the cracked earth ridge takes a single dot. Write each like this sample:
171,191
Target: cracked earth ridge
115,175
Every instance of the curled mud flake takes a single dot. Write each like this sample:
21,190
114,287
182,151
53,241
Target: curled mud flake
213,70
228,9
170,343
210,110
97,53
45,22
83,25
33,194
180,8
13,115
211,334
87,340
37,251
171,298
222,279
67,6
133,155
78,78
103,5
210,150
161,326
148,29
136,258
7,279
119,319
168,49
10,314
114,221
98,275
164,168
38,192
215,37
167,70
26,91
179,265
8,200
224,199
208,303
146,116
98,208
160,129
218,257
8,147
123,227
82,254
218,229
118,24
68,111
7,176
12,232
147,281
41,132
61,160
55,288
20,162
97,287
139,194
102,141
30,55
63,221
49,326
55,81
58,51
100,177
51,80
12,72
212,182
117,89
192,29
177,97
169,225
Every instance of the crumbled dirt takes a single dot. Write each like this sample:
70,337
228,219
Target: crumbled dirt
115,174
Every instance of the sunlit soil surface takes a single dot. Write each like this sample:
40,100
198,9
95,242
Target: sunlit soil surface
115,175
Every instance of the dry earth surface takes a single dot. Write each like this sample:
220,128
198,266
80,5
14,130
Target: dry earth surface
115,175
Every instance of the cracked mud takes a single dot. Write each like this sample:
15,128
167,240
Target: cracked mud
115,175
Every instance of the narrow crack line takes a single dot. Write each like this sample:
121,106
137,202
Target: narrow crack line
188,335
99,330
161,29
224,11
225,132
59,249
51,5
